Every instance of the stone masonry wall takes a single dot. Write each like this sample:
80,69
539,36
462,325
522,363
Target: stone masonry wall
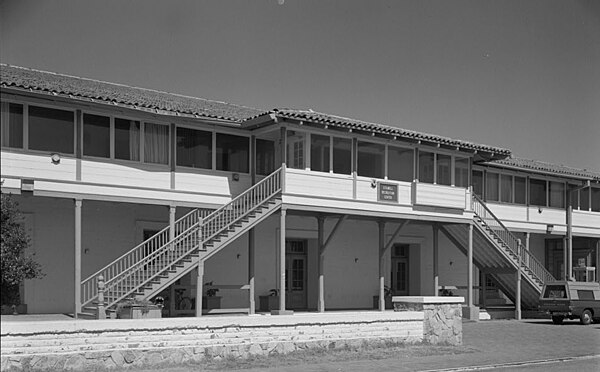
442,323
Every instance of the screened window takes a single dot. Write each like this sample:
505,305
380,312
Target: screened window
96,135
156,143
11,119
232,153
265,157
371,159
426,172
194,148
520,190
342,155
557,194
400,164
319,153
478,183
537,192
51,130
461,170
127,139
596,199
584,199
506,188
492,192
444,169
295,149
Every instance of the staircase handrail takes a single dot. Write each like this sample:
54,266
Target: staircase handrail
217,221
528,260
122,264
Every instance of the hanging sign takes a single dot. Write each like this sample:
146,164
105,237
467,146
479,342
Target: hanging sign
387,192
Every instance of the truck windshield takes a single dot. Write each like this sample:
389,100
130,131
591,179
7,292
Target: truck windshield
555,291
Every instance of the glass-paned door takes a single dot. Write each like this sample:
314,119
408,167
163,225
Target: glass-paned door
400,270
295,274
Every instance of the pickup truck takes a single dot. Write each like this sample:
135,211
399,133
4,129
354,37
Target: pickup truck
571,300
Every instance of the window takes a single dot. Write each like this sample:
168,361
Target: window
596,199
371,158
127,139
11,120
478,183
537,192
319,153
584,199
265,157
555,291
51,130
194,148
232,153
342,155
461,172
557,194
506,188
520,190
156,143
295,149
491,191
585,294
444,169
426,160
400,164
96,135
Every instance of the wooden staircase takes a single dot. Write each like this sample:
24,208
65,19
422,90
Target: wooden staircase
158,262
498,253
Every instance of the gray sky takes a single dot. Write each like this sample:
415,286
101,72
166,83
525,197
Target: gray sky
521,74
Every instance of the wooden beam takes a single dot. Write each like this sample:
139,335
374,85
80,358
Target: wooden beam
381,225
321,262
395,235
199,287
78,205
333,232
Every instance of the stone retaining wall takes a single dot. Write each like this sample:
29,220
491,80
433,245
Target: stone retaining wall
119,344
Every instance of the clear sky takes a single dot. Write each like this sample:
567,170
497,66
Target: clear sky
521,74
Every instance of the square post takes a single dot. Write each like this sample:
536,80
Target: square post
252,303
436,266
470,311
282,310
518,297
199,287
77,299
381,225
321,302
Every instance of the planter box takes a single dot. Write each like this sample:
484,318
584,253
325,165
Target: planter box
139,312
268,303
213,302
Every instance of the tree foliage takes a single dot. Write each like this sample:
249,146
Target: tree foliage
16,265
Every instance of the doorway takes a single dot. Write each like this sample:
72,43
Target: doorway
400,269
296,274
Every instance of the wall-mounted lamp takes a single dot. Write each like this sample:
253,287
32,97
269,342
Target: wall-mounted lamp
238,256
235,176
55,158
539,209
373,184
549,229
356,260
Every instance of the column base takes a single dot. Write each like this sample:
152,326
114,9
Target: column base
282,312
470,313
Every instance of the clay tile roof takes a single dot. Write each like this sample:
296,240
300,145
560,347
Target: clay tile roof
358,125
547,168
121,95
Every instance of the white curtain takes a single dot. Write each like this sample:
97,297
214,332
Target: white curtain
5,123
156,143
134,140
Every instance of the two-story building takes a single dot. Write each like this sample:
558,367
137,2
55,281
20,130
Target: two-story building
153,193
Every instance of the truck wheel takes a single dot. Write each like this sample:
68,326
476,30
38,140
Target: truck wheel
557,319
586,317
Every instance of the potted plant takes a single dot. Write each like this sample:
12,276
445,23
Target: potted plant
270,301
387,295
211,300
132,308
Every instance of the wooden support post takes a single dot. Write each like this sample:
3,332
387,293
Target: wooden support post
252,303
199,287
518,297
321,301
172,211
101,309
569,263
77,299
470,268
381,225
565,259
282,261
436,267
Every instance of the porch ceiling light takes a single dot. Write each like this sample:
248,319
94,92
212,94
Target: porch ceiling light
549,229
55,158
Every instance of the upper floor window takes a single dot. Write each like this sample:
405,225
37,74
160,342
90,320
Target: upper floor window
595,199
127,139
492,187
537,192
96,135
265,156
156,143
319,153
400,164
461,172
371,159
232,153
444,169
342,155
51,129
194,148
520,190
478,183
506,188
295,149
426,166
557,195
11,121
